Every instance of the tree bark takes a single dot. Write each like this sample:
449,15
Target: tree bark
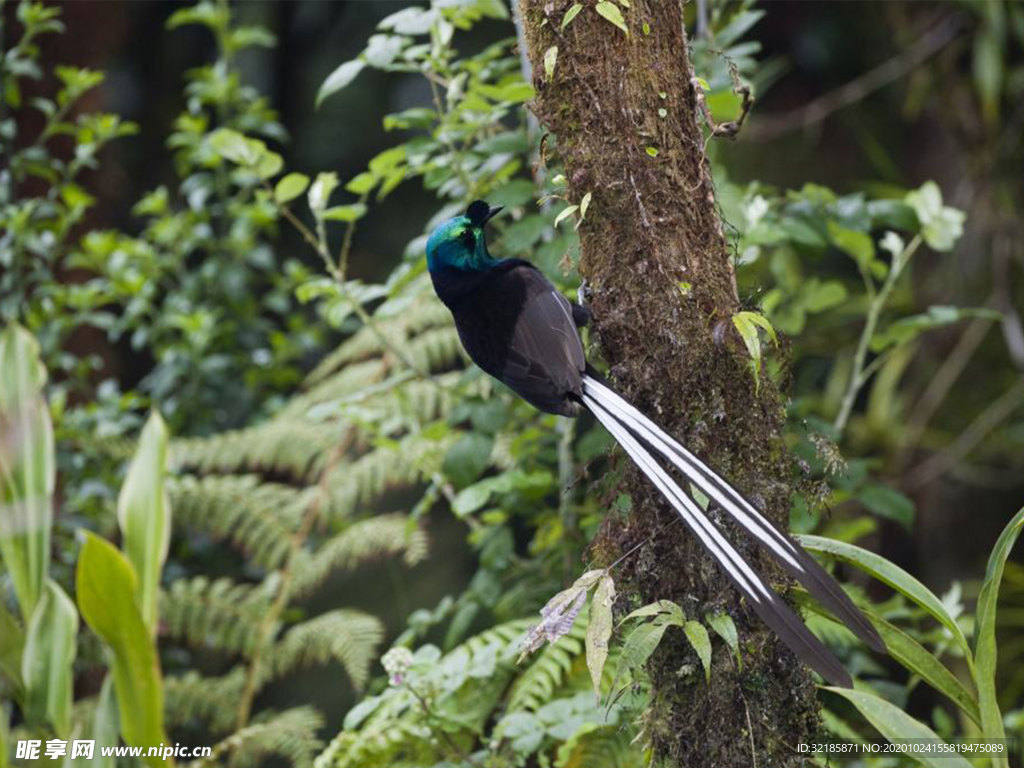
654,252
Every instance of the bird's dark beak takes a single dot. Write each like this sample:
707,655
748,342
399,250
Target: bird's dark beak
493,212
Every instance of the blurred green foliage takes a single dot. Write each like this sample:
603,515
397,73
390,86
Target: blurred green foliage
279,478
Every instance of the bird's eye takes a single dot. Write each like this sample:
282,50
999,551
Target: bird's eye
468,238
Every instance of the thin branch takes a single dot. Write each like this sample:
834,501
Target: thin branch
985,423
770,127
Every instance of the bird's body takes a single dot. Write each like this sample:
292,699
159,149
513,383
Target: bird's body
518,328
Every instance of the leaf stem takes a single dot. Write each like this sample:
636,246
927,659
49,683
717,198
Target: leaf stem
861,373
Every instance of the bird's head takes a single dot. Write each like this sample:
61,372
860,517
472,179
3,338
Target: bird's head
459,242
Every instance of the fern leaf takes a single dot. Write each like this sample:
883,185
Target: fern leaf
346,636
389,535
290,735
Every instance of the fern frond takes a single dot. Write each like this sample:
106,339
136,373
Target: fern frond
423,313
290,735
208,701
389,535
390,467
349,637
220,614
292,447
606,747
256,517
538,684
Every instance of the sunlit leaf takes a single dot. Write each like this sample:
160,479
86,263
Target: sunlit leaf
611,12
599,629
106,586
338,79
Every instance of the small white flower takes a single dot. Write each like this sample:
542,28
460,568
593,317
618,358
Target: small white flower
892,243
396,663
756,209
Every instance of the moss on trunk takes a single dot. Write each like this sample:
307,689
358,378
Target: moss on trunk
653,226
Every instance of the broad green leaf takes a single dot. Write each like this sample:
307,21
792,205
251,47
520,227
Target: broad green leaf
12,645
858,245
985,655
911,654
290,187
893,723
362,183
338,79
888,503
599,629
352,212
27,468
550,58
251,154
468,458
725,628
697,634
106,587
611,12
571,14
666,607
5,738
46,666
144,515
640,644
888,573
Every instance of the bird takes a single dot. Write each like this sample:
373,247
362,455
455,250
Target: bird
520,329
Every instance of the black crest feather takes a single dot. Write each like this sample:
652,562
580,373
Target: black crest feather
478,212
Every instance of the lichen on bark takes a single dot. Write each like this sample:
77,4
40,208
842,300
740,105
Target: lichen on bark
652,227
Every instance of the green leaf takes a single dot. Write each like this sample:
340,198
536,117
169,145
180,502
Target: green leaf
144,515
640,644
697,634
468,458
888,503
338,79
27,467
251,154
725,628
290,187
12,646
910,653
106,586
584,205
985,629
989,71
893,723
320,192
855,244
909,328
888,573
611,12
105,720
599,629
569,210
550,57
47,663
747,324
571,14
352,212
362,183
651,151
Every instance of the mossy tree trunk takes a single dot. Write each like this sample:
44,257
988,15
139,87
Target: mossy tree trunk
654,253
